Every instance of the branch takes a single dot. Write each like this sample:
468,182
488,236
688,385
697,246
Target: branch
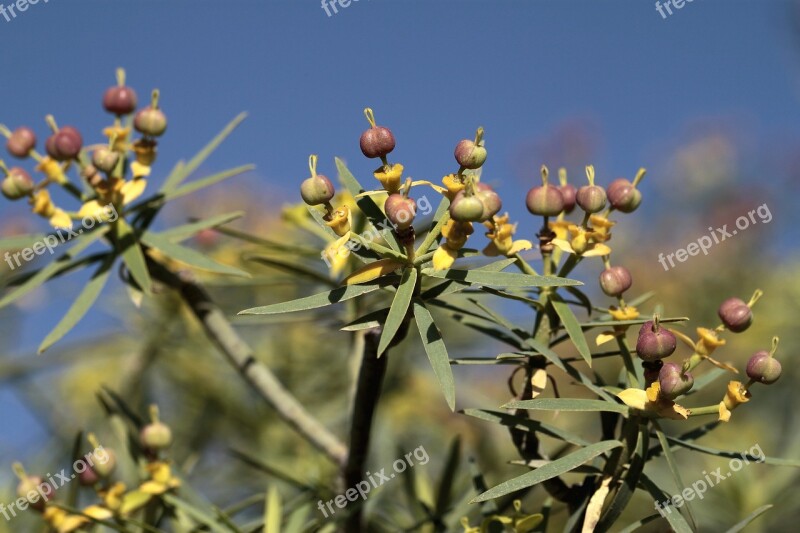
240,355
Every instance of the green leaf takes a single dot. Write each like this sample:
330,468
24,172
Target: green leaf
440,218
526,424
399,309
80,306
181,233
368,321
182,171
776,461
339,294
549,471
499,279
188,256
368,206
199,515
637,322
674,470
20,241
297,519
572,326
207,181
273,512
452,286
292,267
65,261
749,518
444,495
568,404
437,352
639,523
132,255
582,298
629,480
675,519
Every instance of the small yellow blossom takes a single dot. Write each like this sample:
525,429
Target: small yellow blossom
649,402
454,185
42,205
444,257
53,170
709,341
628,312
735,395
500,235
119,136
390,177
339,221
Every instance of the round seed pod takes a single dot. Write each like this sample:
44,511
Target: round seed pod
654,344
492,204
763,368
615,280
735,314
591,198
155,436
673,382
317,190
17,184
120,100
103,463
65,144
150,121
465,208
21,142
400,210
545,201
568,193
624,196
469,155
105,159
32,484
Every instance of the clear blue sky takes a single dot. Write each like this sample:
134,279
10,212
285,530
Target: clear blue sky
433,70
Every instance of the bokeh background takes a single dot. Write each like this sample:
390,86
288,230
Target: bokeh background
706,100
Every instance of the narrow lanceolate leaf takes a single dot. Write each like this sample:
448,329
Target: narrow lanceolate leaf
573,327
368,206
568,404
273,511
81,306
629,480
132,255
440,218
186,231
181,172
549,471
372,271
188,256
82,242
207,181
371,320
749,518
526,424
452,286
399,309
674,469
20,241
446,484
195,513
437,352
339,294
675,519
638,322
776,461
293,267
500,279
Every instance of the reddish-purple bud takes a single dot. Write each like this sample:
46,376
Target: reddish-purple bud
763,368
400,210
65,144
591,198
654,343
545,200
624,196
735,314
120,100
492,204
21,142
673,382
568,192
469,155
615,280
377,142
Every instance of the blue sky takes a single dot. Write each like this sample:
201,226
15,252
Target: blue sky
432,70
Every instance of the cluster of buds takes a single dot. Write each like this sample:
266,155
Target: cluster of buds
101,166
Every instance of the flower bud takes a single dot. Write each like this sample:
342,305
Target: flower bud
545,201
735,314
469,155
120,100
673,382
624,196
615,280
103,462
492,204
568,193
591,198
654,342
317,189
88,477
465,208
763,368
150,121
377,141
400,210
17,184
105,159
155,436
21,142
32,484
65,144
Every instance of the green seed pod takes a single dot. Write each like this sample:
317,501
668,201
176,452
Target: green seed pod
469,155
105,159
615,280
763,368
465,208
156,436
317,189
150,121
17,184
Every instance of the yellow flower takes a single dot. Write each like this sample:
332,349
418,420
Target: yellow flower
337,254
626,313
454,184
339,221
53,170
131,190
444,257
708,342
456,233
390,177
585,243
649,402
500,234
42,205
120,136
601,226
735,395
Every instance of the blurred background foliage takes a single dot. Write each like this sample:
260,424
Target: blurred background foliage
706,170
